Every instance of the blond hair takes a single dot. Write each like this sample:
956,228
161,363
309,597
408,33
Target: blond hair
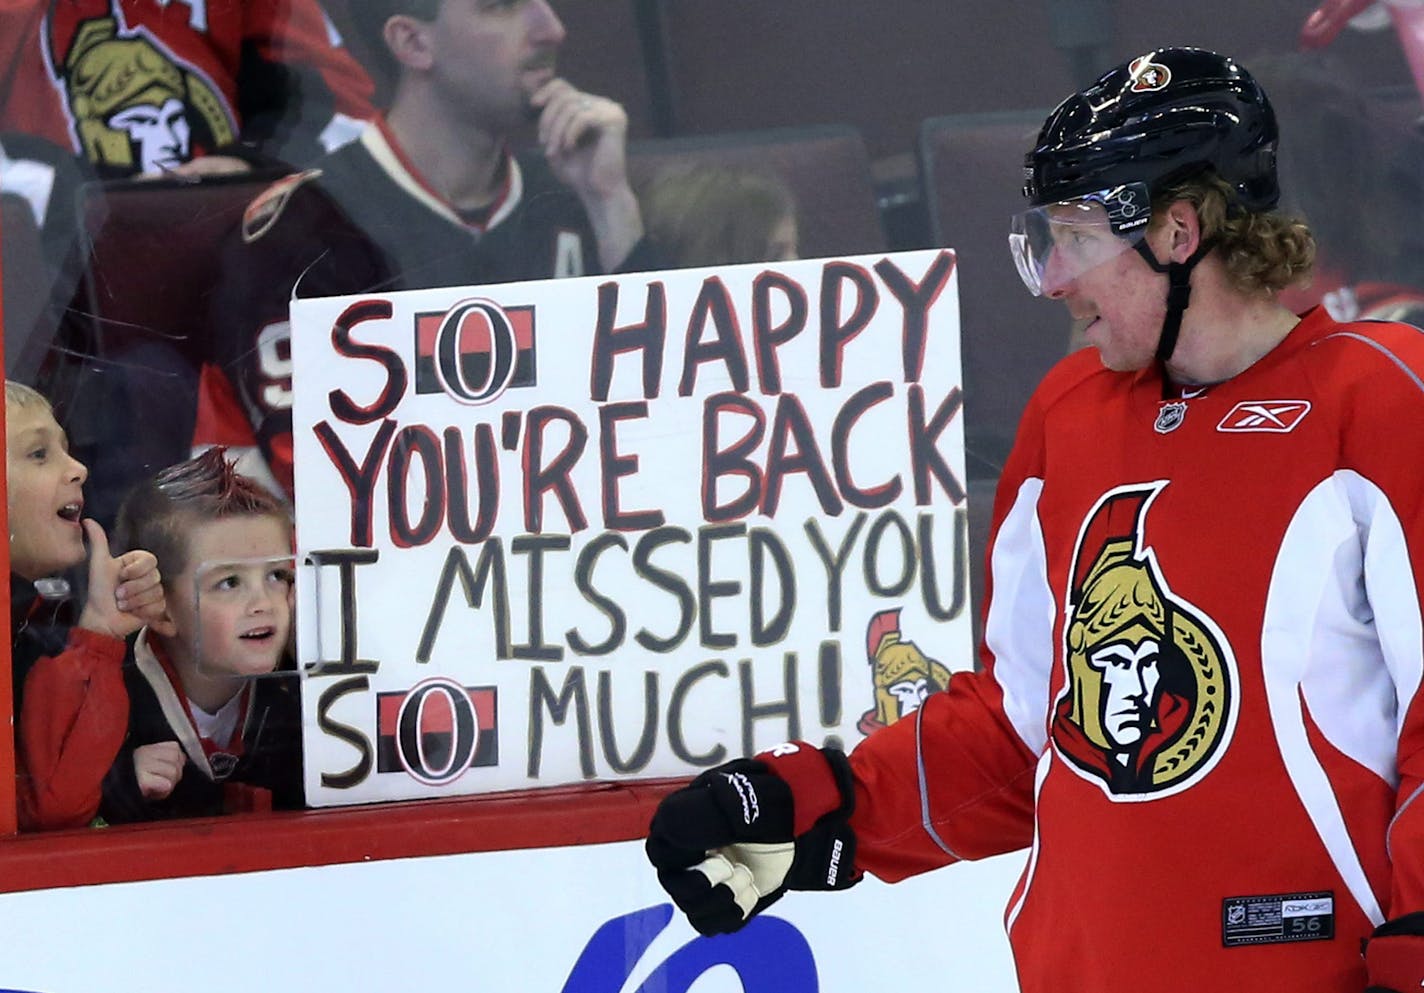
1263,252
22,397
702,214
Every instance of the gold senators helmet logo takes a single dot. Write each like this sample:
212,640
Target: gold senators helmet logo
1151,693
903,676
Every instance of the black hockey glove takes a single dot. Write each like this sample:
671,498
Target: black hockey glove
731,843
1394,955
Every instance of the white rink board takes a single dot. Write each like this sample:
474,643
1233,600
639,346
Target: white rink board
501,922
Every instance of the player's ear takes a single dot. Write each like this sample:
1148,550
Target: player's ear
409,40
1183,224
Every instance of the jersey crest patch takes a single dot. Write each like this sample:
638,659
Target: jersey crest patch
266,208
1151,692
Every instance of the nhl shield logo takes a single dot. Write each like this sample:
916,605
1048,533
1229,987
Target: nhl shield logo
1170,417
222,764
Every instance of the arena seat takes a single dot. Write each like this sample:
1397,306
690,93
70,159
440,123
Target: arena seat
826,167
970,172
970,168
882,67
124,378
27,282
151,253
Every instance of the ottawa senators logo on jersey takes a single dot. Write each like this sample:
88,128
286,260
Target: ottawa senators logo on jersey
903,676
134,106
1150,697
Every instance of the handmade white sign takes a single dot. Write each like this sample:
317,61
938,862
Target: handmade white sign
629,526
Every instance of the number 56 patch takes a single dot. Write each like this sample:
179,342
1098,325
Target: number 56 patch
1277,918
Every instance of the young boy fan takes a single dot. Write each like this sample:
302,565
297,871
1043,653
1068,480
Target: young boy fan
211,730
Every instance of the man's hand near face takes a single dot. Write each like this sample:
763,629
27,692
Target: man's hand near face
584,138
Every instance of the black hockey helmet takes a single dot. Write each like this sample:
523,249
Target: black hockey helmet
1106,152
1158,119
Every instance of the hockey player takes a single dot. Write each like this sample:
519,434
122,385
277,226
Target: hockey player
1199,701
430,196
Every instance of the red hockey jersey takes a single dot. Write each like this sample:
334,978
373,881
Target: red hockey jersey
1200,699
145,85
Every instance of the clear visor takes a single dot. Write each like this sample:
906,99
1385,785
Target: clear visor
1054,244
242,616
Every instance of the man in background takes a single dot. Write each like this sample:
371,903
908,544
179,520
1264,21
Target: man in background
431,195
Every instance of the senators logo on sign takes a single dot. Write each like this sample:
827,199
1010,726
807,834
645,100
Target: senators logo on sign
1151,693
903,676
475,351
436,731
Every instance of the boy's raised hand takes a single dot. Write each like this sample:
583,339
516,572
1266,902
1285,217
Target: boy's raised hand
158,768
125,592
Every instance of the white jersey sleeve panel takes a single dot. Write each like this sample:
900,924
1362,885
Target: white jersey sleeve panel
1393,595
1019,627
1344,650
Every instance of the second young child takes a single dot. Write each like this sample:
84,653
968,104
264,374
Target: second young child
207,734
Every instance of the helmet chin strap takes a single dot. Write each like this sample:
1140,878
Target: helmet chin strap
1179,292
